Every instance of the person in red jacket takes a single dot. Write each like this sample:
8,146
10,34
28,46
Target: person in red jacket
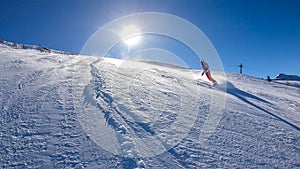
206,70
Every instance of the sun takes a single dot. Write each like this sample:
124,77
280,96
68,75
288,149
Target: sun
132,40
131,34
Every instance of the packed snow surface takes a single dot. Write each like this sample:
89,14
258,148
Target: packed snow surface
72,111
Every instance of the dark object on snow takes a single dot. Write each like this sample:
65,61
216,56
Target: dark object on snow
15,45
43,49
269,79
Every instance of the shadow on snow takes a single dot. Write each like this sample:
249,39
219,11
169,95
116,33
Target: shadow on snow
242,95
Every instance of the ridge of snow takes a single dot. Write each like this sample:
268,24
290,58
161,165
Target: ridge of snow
282,76
33,47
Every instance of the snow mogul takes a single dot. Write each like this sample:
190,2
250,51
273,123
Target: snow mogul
205,69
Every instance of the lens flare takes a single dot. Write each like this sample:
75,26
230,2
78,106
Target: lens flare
129,30
132,40
131,34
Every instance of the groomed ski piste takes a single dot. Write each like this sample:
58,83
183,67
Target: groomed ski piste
72,111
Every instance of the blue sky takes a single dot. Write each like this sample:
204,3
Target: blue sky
263,35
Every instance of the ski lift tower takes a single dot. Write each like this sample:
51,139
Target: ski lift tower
241,68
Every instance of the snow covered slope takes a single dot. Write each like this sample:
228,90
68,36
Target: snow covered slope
289,80
71,111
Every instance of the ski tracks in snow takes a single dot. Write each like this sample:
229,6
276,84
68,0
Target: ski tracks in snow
107,109
59,111
38,115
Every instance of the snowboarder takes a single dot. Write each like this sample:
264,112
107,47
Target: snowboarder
206,70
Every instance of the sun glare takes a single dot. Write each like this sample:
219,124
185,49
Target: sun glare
133,40
130,31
